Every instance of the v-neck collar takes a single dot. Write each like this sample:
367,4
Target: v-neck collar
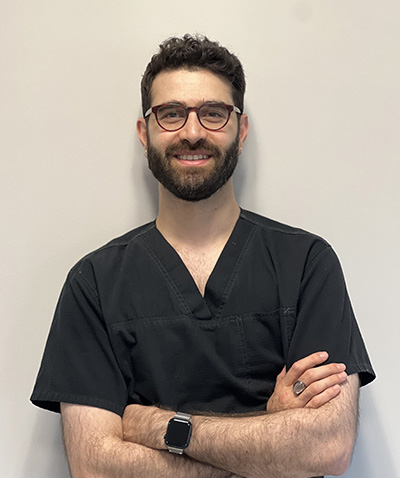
221,280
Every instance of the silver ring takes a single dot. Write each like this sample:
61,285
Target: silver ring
299,387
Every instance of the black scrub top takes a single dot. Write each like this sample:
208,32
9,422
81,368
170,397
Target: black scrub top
132,327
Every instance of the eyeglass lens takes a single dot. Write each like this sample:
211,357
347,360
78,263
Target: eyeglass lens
172,117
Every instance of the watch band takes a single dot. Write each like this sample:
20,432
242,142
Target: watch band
177,451
183,416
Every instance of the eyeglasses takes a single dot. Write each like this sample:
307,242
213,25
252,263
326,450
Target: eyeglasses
213,116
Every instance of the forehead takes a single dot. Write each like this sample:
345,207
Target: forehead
190,87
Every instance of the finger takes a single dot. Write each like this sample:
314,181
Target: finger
319,373
282,374
299,367
318,387
324,397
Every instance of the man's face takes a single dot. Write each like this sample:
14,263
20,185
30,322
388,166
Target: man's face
192,163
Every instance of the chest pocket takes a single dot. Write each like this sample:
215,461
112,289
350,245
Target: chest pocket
267,339
225,365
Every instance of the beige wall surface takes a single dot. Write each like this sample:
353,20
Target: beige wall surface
323,154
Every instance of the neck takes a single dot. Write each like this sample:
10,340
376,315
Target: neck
198,224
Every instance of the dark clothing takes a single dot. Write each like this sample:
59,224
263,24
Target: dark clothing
132,327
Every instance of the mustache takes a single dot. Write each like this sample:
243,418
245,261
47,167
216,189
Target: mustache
186,145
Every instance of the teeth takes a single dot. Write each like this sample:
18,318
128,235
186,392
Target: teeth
194,157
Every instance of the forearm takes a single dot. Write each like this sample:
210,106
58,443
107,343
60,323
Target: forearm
273,446
282,445
119,459
293,443
100,452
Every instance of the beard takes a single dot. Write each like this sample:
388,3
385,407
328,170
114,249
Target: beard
193,183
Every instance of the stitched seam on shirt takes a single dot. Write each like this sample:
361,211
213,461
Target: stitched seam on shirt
148,318
213,322
274,228
294,232
317,254
167,277
287,333
137,236
363,366
235,272
81,276
93,291
50,395
245,356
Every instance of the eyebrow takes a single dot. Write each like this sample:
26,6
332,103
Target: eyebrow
183,103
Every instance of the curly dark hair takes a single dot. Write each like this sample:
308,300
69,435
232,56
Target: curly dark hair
193,52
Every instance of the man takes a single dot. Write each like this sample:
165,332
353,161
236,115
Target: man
209,311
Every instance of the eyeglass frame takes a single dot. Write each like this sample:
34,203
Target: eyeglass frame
188,109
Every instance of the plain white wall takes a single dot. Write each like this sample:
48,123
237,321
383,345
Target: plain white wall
323,154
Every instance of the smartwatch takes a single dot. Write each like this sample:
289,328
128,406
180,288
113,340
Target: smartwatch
178,433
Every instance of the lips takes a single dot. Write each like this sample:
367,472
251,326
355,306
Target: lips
192,157
187,154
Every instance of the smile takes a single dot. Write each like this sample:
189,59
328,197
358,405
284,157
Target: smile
194,157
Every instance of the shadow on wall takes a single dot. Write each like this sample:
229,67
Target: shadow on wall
372,456
145,187
45,455
245,177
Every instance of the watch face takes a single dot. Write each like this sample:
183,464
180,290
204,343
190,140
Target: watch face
178,433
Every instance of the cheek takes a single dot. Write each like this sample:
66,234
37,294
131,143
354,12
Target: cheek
161,139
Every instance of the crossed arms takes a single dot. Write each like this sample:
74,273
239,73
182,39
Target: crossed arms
309,435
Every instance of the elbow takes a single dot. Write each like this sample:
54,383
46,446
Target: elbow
86,473
340,465
80,473
340,458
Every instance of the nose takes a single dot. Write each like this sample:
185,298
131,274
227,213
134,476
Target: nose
192,131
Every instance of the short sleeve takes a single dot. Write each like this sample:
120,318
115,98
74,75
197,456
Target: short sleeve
325,319
79,365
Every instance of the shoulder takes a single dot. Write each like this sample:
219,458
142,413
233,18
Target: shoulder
283,236
112,254
272,226
287,245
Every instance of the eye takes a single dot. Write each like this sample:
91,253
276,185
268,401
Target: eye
213,113
171,114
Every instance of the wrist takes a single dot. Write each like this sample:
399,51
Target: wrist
158,422
146,425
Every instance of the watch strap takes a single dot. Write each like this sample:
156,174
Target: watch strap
183,416
177,451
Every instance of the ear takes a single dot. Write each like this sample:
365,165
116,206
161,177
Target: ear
243,130
141,128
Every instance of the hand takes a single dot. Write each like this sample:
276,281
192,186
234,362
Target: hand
322,384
